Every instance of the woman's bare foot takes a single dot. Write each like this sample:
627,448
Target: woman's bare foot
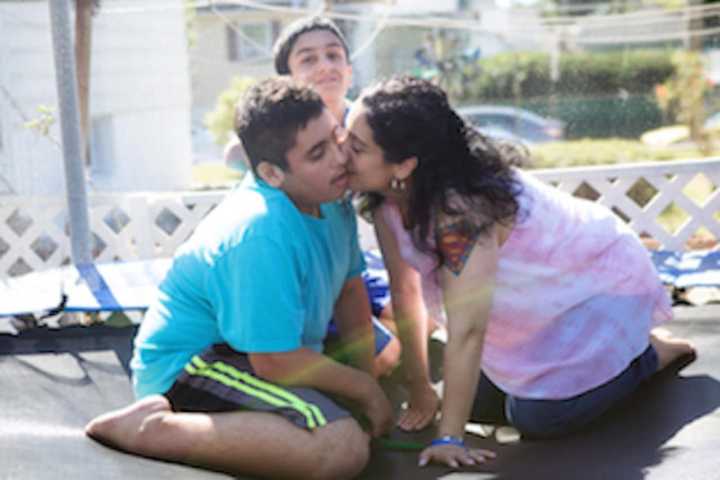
669,348
120,428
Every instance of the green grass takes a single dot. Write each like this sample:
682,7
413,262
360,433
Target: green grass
604,152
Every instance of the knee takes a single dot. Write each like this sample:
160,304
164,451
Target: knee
344,451
388,358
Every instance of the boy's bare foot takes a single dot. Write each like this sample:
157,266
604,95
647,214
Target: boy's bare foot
120,427
669,348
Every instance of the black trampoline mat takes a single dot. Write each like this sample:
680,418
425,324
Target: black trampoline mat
53,381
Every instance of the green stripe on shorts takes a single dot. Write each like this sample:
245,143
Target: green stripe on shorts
250,385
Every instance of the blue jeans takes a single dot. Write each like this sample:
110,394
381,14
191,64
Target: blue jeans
552,418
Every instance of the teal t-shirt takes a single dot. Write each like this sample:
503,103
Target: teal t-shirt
257,274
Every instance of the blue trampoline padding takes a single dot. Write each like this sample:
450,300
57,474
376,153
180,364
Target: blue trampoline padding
132,285
376,281
688,269
96,287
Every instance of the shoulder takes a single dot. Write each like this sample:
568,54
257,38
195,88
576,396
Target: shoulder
457,236
246,219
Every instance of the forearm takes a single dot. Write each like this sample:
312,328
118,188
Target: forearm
409,310
461,375
352,318
307,368
412,325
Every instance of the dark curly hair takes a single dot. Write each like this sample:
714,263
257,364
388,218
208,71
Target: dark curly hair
459,172
270,114
290,34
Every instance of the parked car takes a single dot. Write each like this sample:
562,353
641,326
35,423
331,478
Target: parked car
524,124
499,133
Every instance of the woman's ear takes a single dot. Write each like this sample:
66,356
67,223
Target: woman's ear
404,169
272,174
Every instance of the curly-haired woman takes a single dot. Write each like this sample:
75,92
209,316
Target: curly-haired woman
550,301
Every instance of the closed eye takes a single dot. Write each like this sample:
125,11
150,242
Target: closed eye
318,151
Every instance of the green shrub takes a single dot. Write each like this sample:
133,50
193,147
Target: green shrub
220,121
601,116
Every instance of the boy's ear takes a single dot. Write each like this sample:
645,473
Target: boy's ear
272,174
404,169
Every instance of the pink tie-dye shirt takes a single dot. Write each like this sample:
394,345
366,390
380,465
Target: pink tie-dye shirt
576,295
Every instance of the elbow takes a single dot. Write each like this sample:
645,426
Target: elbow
468,338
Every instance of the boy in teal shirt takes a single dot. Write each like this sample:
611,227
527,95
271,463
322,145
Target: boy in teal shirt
228,363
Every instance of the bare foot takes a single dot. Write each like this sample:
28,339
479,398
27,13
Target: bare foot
120,428
669,348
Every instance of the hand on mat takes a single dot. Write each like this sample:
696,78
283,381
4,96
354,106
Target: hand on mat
454,456
421,409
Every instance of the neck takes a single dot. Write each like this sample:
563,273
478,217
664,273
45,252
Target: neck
401,197
337,108
312,210
401,200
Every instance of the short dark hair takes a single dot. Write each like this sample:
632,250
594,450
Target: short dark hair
287,38
269,116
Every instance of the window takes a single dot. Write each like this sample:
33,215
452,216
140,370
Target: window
101,145
249,41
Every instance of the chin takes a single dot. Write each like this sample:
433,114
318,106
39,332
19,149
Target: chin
330,92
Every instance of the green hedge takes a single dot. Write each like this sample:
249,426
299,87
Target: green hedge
601,116
527,74
599,94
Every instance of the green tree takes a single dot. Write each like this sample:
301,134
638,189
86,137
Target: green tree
682,96
220,120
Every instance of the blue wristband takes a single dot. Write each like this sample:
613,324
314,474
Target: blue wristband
448,440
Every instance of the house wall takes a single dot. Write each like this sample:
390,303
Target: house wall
5,170
140,79
139,92
415,6
31,162
212,69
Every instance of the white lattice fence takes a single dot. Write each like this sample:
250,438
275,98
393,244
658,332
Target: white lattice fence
124,227
140,226
658,186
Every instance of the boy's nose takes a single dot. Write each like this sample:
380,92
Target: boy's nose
342,153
